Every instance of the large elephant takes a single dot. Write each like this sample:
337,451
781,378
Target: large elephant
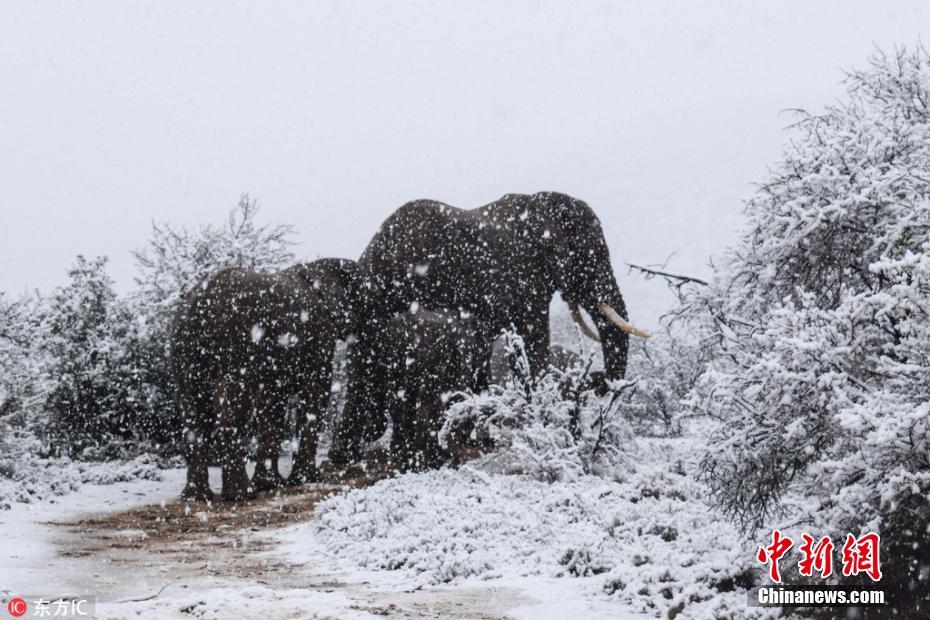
242,344
430,355
502,263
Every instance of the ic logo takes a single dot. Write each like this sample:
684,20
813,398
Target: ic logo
17,607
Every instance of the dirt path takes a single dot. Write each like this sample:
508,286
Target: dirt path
135,555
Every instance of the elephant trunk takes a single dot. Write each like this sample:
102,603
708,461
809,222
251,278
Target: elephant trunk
613,331
615,342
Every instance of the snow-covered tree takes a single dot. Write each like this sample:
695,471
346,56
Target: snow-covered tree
23,380
822,313
21,387
174,260
89,397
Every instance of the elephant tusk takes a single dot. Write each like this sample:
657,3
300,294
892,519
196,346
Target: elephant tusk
585,328
617,320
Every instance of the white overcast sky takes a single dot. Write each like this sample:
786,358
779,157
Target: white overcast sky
332,114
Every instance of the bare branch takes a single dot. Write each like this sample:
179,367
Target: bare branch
651,273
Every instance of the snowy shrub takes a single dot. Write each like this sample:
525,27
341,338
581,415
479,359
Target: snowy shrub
648,541
31,478
822,386
174,260
553,427
665,368
54,353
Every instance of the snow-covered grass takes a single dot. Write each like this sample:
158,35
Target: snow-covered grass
648,541
26,477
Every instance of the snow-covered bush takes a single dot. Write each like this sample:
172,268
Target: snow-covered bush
822,310
553,426
649,541
174,260
665,369
32,478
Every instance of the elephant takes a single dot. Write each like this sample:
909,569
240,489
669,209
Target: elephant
243,343
501,262
432,354
562,360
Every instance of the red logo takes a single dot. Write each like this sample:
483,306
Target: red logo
17,607
774,552
860,555
817,557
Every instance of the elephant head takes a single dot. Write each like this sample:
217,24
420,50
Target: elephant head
573,241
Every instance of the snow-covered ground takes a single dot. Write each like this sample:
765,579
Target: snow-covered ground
449,543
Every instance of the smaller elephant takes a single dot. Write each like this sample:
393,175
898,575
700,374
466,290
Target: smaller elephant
435,353
561,359
243,344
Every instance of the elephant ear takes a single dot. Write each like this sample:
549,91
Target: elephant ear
347,275
345,299
571,215
336,281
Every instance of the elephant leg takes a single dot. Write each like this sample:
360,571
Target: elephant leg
398,397
198,477
363,416
418,442
270,419
311,404
403,433
196,411
425,384
433,454
536,339
233,403
429,419
401,444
